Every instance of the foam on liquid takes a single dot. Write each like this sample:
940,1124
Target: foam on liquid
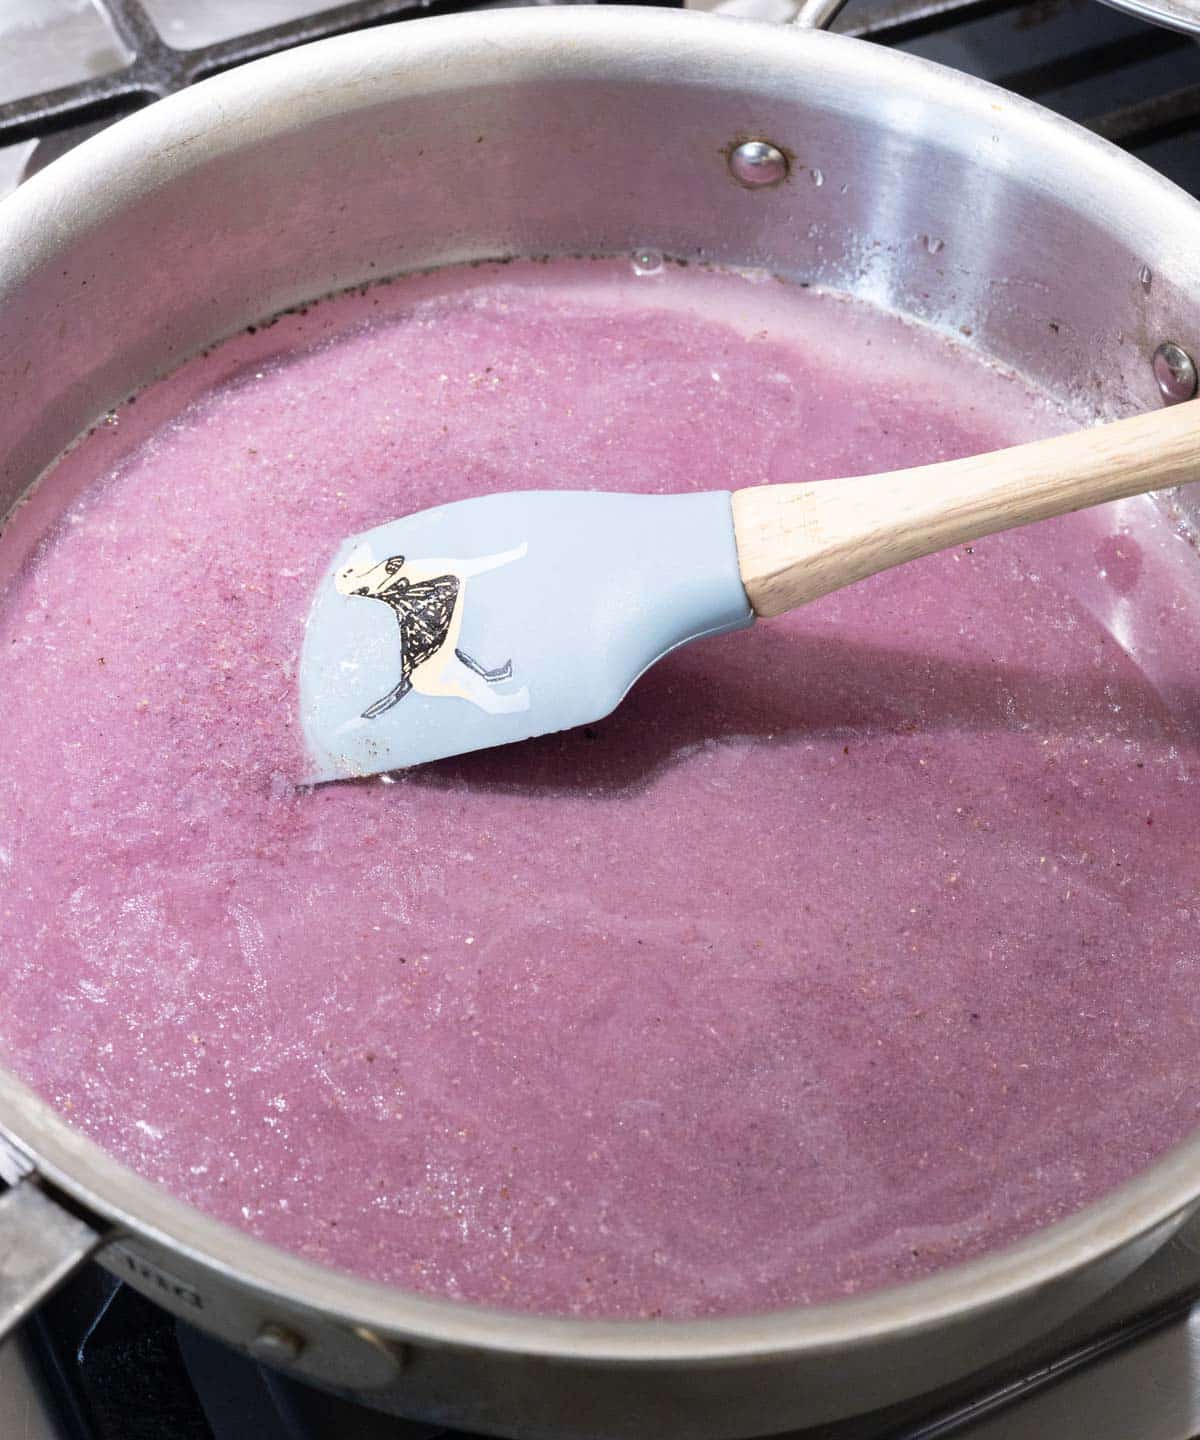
849,947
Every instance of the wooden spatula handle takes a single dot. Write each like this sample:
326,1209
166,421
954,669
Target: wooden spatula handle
796,542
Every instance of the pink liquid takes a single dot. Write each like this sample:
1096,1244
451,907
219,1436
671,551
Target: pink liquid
849,947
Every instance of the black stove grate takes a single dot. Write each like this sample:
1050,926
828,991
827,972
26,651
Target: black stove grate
117,1367
1132,83
158,69
112,1365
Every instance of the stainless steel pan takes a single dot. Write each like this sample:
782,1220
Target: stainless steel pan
559,131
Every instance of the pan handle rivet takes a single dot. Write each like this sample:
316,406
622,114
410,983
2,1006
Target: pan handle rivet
277,1345
757,164
1175,371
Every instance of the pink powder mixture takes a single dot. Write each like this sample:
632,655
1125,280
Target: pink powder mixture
849,947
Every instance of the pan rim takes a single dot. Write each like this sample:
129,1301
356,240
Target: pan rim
292,90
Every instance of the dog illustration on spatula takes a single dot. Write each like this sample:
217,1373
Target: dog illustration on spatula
427,598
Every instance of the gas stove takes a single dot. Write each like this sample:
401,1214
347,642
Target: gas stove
99,1362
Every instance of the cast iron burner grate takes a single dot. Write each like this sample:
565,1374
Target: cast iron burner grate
1133,83
157,68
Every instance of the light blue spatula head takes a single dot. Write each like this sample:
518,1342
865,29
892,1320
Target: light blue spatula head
491,620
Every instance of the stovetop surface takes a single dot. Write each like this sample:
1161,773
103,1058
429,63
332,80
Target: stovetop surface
101,1363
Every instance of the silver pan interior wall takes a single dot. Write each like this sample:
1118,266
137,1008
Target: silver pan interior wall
959,213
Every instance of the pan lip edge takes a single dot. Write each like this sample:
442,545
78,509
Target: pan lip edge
139,1210
1150,1199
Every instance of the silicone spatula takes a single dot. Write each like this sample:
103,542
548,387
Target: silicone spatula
512,615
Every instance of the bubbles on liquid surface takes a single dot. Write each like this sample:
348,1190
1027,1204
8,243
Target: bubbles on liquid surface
647,262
